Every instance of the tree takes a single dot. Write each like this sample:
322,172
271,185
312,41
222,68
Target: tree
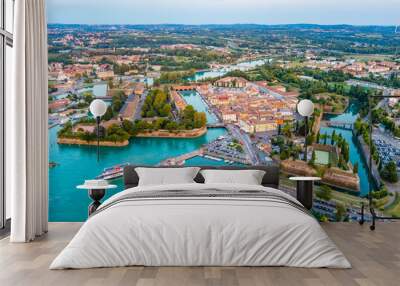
109,114
88,97
128,127
325,138
199,120
389,172
165,110
340,212
188,116
318,137
287,130
110,84
325,193
355,168
310,139
313,158
345,150
333,137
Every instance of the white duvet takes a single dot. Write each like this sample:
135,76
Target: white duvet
200,232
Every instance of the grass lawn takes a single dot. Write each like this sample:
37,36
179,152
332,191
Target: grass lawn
333,103
394,208
373,57
321,157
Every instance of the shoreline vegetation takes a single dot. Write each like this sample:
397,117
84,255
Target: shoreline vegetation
159,118
76,141
162,133
195,133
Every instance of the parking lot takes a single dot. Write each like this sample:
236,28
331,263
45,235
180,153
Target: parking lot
387,152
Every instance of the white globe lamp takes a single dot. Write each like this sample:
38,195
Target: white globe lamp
305,108
98,108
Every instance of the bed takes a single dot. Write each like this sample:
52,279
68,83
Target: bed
201,224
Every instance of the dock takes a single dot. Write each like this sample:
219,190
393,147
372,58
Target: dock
180,160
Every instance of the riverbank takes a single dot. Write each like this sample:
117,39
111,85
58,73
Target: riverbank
365,151
74,141
195,133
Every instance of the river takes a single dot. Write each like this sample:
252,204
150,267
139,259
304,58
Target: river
244,66
350,116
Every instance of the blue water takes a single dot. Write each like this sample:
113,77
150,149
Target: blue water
350,116
97,89
77,163
220,72
193,98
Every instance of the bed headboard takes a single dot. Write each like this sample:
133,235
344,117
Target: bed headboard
271,177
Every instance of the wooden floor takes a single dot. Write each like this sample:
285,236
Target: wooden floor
375,257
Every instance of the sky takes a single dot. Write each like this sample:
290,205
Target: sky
356,12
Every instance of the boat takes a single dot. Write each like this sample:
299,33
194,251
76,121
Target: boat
212,158
113,172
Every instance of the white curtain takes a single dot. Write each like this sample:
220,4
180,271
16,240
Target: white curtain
26,119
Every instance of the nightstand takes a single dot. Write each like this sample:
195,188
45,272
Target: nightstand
305,190
96,193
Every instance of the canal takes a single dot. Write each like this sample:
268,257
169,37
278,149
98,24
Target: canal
350,116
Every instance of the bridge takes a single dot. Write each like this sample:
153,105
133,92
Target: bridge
216,125
104,97
184,88
340,124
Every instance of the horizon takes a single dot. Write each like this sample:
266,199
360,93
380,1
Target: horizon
227,24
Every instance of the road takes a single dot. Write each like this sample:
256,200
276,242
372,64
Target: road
243,137
138,114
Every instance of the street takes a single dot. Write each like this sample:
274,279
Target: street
243,137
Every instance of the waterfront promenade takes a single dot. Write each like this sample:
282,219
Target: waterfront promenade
180,160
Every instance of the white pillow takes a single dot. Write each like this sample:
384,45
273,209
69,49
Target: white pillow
247,177
166,176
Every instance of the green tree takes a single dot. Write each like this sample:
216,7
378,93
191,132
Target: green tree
345,150
188,116
313,158
389,172
128,126
109,114
355,168
325,193
340,212
199,120
287,130
88,97
333,137
165,110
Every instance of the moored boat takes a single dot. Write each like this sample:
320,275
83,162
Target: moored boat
113,172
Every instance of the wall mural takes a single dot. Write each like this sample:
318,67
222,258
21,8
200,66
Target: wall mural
213,95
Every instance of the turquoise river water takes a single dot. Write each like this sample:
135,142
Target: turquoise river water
350,116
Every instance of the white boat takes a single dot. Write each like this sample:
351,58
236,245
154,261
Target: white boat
113,172
213,158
